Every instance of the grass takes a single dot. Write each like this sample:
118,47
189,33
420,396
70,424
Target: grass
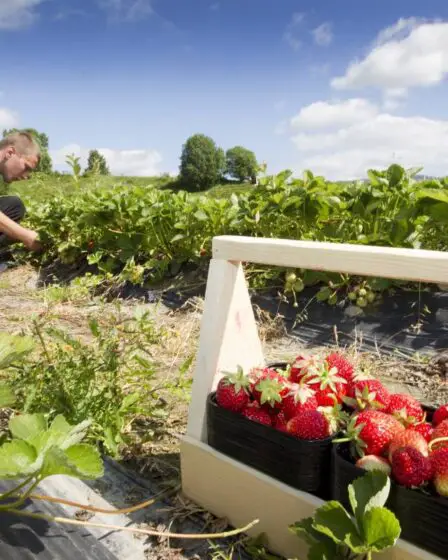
42,187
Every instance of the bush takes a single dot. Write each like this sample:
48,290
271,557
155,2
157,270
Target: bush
96,164
241,164
202,163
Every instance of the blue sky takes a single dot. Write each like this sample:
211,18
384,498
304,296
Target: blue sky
336,87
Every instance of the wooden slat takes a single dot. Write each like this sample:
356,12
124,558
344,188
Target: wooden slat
229,338
384,262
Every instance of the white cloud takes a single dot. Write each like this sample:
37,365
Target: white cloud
323,35
8,118
142,163
405,55
290,34
17,14
126,10
398,30
326,115
376,141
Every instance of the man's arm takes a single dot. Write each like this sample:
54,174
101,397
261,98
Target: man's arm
15,231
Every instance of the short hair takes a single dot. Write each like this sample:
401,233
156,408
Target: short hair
24,142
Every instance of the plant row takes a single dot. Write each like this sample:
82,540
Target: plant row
143,234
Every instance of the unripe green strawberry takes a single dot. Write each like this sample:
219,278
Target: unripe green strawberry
374,463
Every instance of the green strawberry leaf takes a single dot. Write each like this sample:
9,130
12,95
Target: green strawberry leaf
333,520
368,491
381,529
323,551
86,459
27,426
79,461
7,397
305,529
13,348
17,458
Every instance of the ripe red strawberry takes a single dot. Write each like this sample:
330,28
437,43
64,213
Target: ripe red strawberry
344,367
268,386
310,425
441,431
410,468
336,417
298,399
254,412
303,365
330,388
439,462
371,432
425,429
280,422
232,391
367,393
408,438
406,408
440,415
374,463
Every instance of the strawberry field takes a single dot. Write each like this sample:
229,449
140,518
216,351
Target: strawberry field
72,353
142,234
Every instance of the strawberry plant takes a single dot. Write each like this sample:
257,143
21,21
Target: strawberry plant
88,380
333,533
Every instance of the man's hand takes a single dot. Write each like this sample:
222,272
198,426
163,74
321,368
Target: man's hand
30,240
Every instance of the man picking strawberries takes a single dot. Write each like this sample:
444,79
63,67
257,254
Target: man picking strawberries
19,155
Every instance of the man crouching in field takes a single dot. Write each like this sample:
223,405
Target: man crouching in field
19,155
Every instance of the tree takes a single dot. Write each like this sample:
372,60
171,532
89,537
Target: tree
241,164
45,164
202,163
96,164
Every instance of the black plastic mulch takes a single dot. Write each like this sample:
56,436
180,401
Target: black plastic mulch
23,538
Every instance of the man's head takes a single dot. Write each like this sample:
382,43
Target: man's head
19,155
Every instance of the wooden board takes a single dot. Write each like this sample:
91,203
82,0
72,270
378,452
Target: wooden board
234,491
385,262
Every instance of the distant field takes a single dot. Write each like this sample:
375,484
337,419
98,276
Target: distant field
40,188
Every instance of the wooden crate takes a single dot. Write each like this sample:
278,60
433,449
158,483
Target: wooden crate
229,338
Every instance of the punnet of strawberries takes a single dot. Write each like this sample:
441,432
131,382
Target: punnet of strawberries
317,396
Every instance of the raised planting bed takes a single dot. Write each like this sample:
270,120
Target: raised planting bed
225,463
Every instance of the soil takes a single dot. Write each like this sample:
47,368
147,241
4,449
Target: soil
22,300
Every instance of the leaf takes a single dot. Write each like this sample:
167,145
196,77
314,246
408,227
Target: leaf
27,426
201,216
17,459
13,348
7,397
368,491
433,194
395,174
333,520
86,459
80,461
381,529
